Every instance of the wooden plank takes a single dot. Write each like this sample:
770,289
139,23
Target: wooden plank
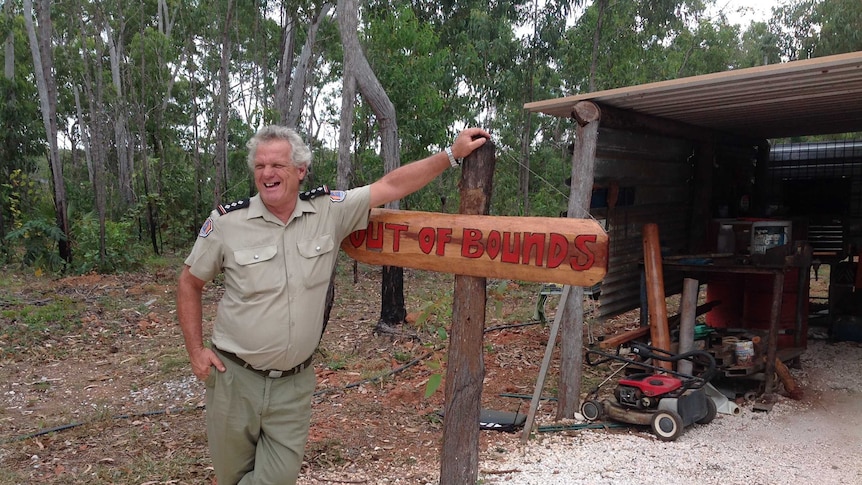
640,332
542,249
543,370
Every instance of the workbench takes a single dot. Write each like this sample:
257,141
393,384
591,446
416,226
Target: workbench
698,268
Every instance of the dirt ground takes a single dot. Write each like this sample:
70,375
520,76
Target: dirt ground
104,394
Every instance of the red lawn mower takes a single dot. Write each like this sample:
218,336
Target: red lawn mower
667,401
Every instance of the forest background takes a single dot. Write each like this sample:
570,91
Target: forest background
125,123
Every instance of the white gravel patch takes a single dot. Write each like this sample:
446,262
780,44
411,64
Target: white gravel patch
816,440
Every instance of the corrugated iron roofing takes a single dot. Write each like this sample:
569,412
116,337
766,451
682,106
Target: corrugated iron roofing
809,97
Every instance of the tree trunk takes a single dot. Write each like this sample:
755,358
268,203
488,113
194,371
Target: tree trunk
9,47
220,158
296,91
94,133
392,303
344,176
9,73
285,66
465,370
125,159
43,63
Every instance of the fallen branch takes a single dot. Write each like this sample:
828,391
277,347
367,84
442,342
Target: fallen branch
381,376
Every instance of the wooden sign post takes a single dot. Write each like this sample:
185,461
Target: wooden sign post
465,368
475,246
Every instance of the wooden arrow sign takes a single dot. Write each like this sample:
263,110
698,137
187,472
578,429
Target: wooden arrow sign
544,249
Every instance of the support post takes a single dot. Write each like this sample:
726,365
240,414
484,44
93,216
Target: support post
659,332
588,116
465,370
687,316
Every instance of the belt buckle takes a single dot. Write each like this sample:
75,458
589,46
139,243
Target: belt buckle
275,374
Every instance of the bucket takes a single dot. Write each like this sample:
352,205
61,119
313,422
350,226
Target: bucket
744,353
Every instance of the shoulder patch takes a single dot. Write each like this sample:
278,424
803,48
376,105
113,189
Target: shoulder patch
310,194
240,204
207,228
337,195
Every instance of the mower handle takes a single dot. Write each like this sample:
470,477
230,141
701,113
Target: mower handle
653,353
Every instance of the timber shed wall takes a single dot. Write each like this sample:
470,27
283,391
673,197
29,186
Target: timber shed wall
653,174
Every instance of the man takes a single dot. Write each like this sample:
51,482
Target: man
277,251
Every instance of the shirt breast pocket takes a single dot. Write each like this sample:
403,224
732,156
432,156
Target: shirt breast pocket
318,256
257,270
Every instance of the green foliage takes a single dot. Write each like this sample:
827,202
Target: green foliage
443,66
840,27
759,46
123,250
433,384
406,57
38,239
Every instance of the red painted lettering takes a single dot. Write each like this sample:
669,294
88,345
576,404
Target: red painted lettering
511,247
396,229
444,235
493,244
374,238
558,247
581,244
357,238
426,239
534,248
471,244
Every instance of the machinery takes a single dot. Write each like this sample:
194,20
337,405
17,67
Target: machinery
667,401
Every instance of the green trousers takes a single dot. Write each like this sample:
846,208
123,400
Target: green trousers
257,427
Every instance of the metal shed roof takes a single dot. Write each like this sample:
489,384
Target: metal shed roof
809,97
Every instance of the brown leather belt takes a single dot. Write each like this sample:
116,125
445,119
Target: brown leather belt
272,374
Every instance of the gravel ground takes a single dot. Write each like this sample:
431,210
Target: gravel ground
815,440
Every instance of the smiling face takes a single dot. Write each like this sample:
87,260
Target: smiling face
276,178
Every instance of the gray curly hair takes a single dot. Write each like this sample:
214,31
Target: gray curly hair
301,154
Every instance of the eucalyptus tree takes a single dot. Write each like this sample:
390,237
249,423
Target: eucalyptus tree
94,122
41,49
794,23
20,140
293,80
759,47
840,27
358,70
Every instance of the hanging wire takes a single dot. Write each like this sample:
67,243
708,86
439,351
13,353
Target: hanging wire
508,156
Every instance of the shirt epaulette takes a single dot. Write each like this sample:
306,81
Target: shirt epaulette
240,204
310,194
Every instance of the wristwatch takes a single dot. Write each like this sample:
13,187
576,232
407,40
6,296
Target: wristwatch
455,162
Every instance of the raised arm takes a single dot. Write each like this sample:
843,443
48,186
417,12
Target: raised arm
409,178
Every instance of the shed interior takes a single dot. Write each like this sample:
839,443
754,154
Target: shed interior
694,156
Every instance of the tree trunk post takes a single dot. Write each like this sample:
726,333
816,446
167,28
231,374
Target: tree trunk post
465,371
588,117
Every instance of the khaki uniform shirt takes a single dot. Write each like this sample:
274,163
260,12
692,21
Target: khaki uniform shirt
275,275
